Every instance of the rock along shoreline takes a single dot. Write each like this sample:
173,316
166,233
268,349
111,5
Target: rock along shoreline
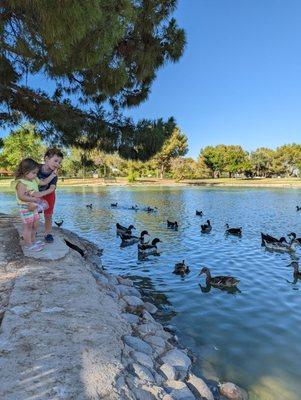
72,330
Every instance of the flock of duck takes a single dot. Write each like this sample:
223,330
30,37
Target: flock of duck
147,248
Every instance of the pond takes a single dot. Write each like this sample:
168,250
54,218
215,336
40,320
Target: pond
251,337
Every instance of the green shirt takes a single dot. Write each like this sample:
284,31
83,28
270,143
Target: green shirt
31,186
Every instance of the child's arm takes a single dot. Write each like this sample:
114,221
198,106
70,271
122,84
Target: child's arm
49,178
22,193
44,193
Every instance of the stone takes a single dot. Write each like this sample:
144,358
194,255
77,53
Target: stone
125,281
124,290
170,328
181,373
131,318
232,391
148,328
120,381
100,278
176,358
150,307
168,371
142,359
113,280
138,344
135,386
178,390
51,310
142,372
156,341
147,316
199,387
133,301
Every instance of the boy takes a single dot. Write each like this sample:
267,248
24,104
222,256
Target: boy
52,160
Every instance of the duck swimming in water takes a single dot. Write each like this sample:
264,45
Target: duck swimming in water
206,228
281,246
219,281
59,223
233,231
271,239
114,204
298,208
199,213
181,268
123,230
294,237
150,209
89,206
172,225
128,239
149,249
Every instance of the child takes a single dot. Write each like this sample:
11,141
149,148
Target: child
29,200
53,158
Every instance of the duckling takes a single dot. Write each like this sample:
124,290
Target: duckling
128,239
294,237
271,239
200,213
281,246
122,229
60,223
181,268
206,228
172,225
114,204
298,208
219,281
233,231
149,249
89,206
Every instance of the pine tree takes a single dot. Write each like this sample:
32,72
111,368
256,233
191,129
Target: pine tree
94,53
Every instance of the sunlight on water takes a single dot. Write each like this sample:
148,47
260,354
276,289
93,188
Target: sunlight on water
251,337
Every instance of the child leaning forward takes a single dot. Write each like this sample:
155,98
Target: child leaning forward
29,200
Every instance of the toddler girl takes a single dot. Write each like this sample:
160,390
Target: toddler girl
29,200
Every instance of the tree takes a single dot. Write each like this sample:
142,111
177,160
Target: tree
214,158
20,144
287,159
175,146
100,57
184,168
235,159
262,161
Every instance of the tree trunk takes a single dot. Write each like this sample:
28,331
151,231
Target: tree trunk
161,171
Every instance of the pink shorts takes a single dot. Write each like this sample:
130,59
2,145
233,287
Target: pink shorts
28,217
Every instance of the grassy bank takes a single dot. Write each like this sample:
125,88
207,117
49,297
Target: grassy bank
264,182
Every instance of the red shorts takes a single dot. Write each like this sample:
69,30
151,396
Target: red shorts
50,198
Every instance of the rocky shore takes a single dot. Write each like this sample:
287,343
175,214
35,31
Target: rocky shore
71,330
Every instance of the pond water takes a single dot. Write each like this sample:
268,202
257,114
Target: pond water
251,337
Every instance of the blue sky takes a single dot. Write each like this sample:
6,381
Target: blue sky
239,80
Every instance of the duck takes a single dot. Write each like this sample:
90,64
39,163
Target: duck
271,239
294,238
135,207
233,231
150,209
128,239
200,213
149,249
281,246
206,228
219,281
114,204
298,208
172,225
181,268
89,206
59,223
123,230
297,273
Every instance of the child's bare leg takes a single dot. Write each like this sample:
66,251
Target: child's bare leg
27,234
34,231
48,224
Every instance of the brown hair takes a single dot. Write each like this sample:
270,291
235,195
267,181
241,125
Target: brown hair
25,166
53,152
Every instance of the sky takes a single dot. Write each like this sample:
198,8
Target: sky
239,80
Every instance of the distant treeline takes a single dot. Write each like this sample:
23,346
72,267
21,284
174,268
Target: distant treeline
170,162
